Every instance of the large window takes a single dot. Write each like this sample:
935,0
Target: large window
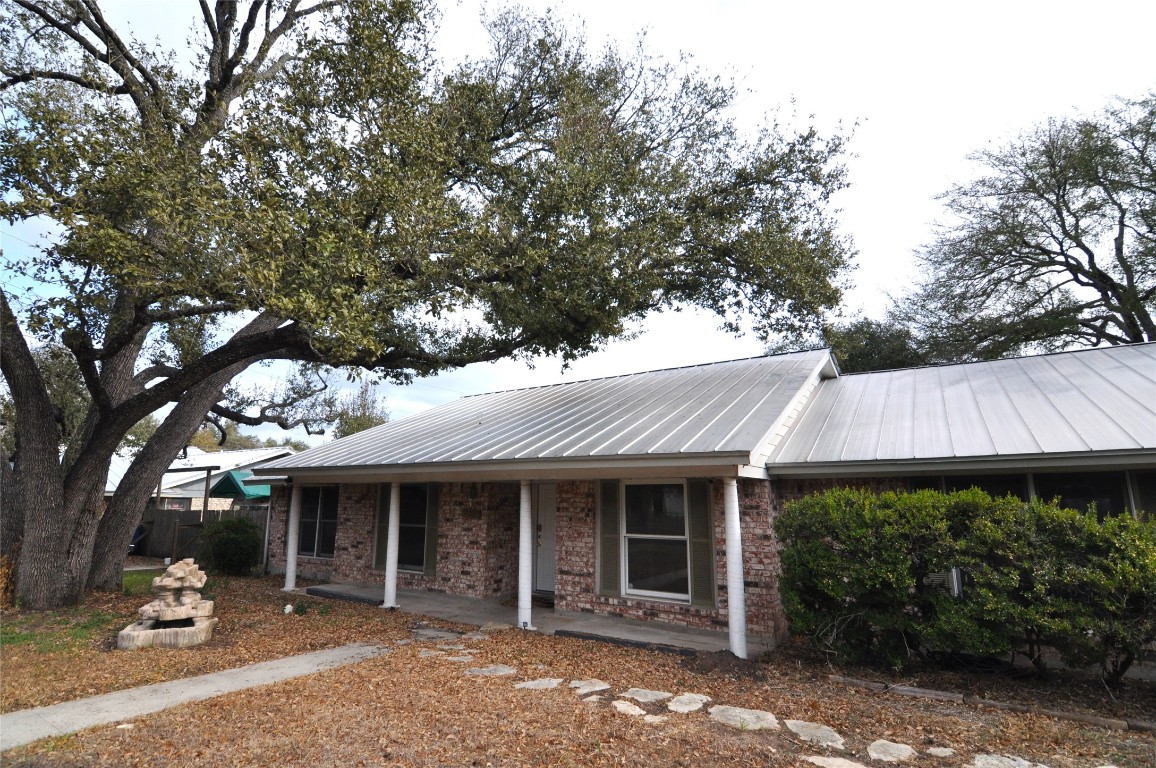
655,555
418,508
318,521
1078,490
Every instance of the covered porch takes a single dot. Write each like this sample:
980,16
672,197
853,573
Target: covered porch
479,612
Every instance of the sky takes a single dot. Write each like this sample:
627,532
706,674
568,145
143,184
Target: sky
922,84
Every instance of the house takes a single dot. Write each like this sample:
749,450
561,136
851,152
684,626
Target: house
196,482
653,495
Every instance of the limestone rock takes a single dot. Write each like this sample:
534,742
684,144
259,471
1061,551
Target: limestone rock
890,751
586,687
815,733
941,752
743,719
626,708
494,670
833,762
645,696
1003,761
540,684
687,702
654,719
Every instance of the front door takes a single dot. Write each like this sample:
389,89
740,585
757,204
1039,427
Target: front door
544,543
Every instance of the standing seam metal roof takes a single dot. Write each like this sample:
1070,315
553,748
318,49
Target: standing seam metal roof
729,407
1090,400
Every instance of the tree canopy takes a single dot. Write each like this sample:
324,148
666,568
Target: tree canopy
1053,245
316,187
360,410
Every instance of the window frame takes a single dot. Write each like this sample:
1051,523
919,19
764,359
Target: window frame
381,529
625,536
317,521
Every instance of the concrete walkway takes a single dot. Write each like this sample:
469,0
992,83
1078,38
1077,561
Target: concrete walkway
23,727
469,610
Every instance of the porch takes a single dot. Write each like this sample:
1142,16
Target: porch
479,612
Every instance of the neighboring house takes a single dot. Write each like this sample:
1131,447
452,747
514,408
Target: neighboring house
652,496
217,475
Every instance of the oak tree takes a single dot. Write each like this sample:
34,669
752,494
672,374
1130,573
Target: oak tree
315,186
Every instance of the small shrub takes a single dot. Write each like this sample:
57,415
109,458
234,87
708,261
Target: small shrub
230,546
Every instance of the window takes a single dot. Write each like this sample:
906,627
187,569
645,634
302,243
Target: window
1144,493
655,554
416,530
1077,490
318,521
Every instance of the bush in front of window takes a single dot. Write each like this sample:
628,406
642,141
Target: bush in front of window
230,546
862,576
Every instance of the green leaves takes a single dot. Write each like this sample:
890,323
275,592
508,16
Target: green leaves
856,567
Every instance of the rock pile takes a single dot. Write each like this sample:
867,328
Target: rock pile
178,617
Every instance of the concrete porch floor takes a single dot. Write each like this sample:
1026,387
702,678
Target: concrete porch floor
478,612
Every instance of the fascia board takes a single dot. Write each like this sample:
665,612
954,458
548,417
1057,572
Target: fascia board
1024,462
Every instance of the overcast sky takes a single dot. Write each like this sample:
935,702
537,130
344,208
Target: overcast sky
927,83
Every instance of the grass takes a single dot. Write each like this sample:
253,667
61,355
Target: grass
59,630
139,582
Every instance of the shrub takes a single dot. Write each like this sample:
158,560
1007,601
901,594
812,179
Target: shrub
230,546
855,567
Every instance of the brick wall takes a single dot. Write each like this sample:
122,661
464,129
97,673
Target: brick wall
477,552
577,557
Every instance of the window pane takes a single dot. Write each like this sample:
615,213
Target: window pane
411,548
994,485
310,501
413,505
657,565
655,509
328,505
1079,489
327,538
1145,488
308,538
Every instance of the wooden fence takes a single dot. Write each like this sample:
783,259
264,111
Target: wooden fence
174,532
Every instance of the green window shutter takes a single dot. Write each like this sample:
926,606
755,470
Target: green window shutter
701,528
610,541
431,530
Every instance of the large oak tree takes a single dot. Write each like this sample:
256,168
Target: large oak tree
1053,245
315,187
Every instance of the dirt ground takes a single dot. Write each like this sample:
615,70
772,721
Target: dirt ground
406,709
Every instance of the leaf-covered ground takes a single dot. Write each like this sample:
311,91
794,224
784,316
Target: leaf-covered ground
407,709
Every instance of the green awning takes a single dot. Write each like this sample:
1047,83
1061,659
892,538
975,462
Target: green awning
232,486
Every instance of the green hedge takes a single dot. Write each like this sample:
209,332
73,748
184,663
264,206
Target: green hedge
230,546
855,568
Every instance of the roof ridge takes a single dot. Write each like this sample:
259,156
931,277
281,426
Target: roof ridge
643,373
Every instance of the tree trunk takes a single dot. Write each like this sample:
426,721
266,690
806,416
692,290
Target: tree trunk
127,505
12,514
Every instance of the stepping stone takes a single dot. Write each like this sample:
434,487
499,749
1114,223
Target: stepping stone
494,670
435,634
890,751
654,719
833,762
542,684
456,647
593,699
1003,761
687,702
941,752
626,708
815,733
645,696
585,687
403,641
743,719
425,653
474,636
461,659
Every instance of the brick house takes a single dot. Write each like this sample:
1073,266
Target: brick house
653,496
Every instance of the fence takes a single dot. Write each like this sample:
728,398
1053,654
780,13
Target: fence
174,532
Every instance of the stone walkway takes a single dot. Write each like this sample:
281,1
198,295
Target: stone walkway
662,706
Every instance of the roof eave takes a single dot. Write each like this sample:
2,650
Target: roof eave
1118,459
729,464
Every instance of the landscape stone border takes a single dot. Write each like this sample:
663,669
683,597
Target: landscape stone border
1127,724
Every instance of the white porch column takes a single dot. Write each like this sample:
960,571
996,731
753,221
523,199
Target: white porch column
391,546
292,532
736,595
525,558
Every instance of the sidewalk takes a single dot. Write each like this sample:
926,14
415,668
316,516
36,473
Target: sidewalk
25,726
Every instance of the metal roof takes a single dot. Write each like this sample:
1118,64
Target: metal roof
729,409
1090,402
